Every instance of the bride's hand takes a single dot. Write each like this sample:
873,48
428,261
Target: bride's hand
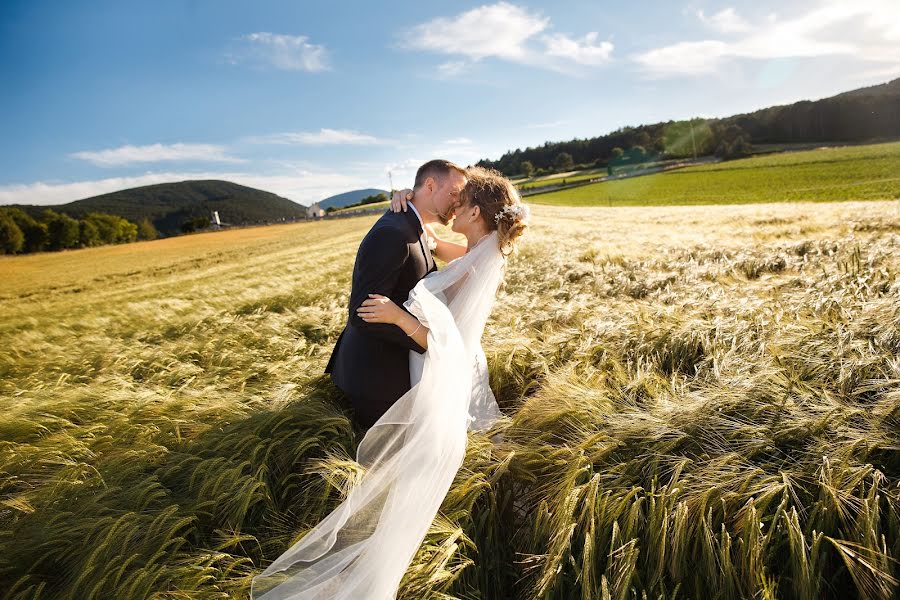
379,309
398,199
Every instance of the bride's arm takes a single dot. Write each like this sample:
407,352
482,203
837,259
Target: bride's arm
381,309
445,250
411,325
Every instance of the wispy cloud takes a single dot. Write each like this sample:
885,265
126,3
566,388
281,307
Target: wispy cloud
506,32
865,29
285,52
318,138
128,154
546,125
461,150
586,52
304,187
725,21
403,172
452,68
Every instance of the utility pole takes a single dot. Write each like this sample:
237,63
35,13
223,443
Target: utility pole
693,142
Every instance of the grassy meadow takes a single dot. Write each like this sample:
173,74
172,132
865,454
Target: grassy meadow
870,172
701,402
556,179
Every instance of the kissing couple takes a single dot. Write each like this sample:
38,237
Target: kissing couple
412,367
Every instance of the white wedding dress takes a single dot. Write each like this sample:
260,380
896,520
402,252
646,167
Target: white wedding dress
362,549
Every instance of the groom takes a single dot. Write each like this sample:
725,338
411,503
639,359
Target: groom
370,361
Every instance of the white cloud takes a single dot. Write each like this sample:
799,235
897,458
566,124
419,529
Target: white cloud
318,138
127,155
507,32
582,52
499,30
452,68
403,173
461,151
865,29
304,187
285,52
684,58
726,21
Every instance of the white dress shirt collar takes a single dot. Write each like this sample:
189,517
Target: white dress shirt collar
418,216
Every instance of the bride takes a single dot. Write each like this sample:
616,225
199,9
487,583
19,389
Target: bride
412,453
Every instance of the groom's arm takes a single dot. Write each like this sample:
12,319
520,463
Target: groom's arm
381,258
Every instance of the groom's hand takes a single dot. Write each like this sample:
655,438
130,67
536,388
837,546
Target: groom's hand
398,199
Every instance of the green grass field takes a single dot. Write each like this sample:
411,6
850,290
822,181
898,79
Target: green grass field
701,402
542,181
352,209
831,174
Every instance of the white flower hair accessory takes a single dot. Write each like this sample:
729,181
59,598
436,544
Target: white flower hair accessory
519,212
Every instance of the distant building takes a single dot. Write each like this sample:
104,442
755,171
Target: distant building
215,222
314,211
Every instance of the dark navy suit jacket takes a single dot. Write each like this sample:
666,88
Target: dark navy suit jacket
370,361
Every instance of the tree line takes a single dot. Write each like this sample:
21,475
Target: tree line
858,116
370,199
21,233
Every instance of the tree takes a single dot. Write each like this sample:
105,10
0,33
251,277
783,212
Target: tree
146,230
526,168
733,142
35,233
11,237
563,162
62,230
617,152
380,197
643,139
191,225
88,234
113,229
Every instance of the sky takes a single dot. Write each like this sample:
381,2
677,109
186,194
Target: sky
308,99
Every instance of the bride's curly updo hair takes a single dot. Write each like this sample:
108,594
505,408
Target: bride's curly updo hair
501,207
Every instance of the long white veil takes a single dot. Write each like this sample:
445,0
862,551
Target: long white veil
411,454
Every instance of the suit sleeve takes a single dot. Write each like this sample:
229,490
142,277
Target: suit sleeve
382,256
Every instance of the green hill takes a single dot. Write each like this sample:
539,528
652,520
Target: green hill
168,205
866,114
349,198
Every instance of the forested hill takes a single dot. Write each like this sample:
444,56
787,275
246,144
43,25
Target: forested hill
168,205
867,114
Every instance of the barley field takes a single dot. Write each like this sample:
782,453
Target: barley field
700,402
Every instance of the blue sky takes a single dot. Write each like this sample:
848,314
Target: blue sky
309,99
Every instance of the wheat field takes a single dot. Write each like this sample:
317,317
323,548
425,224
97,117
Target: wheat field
701,402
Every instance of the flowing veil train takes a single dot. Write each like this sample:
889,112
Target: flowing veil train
411,454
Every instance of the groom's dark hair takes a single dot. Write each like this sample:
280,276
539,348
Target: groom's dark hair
437,169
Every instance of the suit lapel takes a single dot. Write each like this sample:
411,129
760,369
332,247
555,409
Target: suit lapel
417,227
